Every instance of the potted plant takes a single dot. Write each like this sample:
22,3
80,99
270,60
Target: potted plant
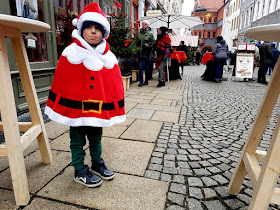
122,44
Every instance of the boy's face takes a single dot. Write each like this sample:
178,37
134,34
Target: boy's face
92,34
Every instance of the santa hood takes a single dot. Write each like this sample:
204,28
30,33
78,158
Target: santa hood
92,12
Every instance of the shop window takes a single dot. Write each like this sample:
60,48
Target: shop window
35,43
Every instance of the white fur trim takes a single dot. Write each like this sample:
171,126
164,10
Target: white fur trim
74,22
95,17
83,121
92,58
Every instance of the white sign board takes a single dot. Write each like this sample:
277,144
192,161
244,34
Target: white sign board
244,65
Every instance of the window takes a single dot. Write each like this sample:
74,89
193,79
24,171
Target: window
195,33
215,19
34,10
214,35
200,35
210,20
209,35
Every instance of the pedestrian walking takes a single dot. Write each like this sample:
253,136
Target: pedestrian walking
145,41
182,47
163,48
87,93
220,53
265,61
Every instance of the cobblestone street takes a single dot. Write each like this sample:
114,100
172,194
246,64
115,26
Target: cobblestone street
199,154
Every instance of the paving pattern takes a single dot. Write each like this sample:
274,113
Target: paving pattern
198,155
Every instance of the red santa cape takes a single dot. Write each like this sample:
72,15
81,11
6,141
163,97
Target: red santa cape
87,88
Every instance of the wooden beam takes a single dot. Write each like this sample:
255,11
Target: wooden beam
29,136
23,126
10,125
264,190
8,31
252,167
276,196
260,155
31,95
258,127
3,151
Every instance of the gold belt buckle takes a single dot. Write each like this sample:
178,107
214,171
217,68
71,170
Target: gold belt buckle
91,110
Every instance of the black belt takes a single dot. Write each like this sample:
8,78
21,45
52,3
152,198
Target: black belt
86,105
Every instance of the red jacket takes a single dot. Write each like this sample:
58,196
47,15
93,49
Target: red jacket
87,88
161,45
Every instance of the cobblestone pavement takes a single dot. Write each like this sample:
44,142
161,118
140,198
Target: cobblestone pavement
198,155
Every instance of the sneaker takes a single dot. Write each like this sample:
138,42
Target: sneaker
85,177
99,168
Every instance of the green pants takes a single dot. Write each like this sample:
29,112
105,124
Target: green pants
78,141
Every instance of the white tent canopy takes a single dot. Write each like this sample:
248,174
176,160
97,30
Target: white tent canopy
189,40
172,21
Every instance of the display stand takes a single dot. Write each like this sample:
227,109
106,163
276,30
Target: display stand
12,27
263,179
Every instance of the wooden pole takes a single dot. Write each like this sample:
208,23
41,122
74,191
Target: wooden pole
10,125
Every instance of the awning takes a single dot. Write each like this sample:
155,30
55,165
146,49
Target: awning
189,40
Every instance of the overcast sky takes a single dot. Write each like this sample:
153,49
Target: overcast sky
187,7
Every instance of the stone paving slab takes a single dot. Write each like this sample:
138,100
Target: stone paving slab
166,116
44,204
159,107
129,105
137,100
162,102
114,131
143,130
141,113
138,96
130,157
169,96
124,192
55,129
128,121
38,174
7,200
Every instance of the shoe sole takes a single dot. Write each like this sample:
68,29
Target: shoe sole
92,185
103,177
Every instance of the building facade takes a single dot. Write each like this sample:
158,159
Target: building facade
207,11
256,13
234,12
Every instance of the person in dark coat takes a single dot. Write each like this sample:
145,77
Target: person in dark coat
220,53
182,47
265,61
275,55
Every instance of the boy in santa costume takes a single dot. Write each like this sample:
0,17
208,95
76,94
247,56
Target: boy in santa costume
87,93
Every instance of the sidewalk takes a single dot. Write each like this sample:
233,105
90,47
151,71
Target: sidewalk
127,149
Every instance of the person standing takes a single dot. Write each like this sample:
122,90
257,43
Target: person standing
163,43
265,61
182,47
87,93
220,53
145,41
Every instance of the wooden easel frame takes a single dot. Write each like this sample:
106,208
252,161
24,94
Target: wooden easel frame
16,144
263,178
